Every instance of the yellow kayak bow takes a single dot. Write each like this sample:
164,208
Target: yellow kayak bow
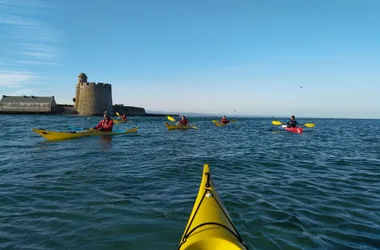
209,225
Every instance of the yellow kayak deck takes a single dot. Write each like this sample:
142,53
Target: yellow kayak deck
119,121
57,135
219,124
172,127
209,225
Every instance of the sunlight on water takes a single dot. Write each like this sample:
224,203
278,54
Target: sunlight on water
316,190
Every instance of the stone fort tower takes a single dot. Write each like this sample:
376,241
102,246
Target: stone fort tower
92,98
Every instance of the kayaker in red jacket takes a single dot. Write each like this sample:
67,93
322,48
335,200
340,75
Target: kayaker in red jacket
106,124
224,120
124,117
183,121
292,123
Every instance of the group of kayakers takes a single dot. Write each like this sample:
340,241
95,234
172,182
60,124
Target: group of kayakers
107,123
292,123
184,122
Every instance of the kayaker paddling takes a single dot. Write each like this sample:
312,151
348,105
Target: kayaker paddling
224,120
292,123
183,121
123,117
106,124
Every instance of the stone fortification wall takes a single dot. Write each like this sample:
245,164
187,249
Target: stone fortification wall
81,79
129,110
94,98
104,97
26,107
27,104
77,92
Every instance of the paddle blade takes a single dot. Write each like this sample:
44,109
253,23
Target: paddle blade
117,113
309,125
276,123
233,121
171,118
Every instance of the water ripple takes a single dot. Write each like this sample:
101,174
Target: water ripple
318,190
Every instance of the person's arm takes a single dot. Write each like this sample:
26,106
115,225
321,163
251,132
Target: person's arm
99,125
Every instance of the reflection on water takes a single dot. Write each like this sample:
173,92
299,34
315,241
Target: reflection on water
105,143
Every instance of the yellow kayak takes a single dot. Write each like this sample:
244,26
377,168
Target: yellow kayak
218,124
171,127
209,225
119,121
57,135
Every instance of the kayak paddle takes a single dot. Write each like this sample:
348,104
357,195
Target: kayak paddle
171,119
308,125
276,123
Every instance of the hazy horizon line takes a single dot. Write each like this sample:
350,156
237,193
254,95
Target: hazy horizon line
197,114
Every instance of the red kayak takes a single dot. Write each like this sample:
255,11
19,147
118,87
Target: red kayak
294,130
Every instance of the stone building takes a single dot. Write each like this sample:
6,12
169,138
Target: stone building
92,98
129,110
27,104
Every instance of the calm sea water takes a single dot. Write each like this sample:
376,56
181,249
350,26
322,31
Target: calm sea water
317,190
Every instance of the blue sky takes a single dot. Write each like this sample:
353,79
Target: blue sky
199,56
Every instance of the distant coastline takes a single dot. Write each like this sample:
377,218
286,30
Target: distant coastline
66,109
68,114
91,99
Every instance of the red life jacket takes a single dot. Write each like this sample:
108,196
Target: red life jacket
183,122
105,124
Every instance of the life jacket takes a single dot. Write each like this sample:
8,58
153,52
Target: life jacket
105,124
184,122
292,123
224,120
